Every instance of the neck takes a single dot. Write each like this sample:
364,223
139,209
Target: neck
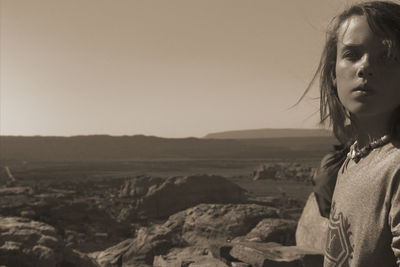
370,129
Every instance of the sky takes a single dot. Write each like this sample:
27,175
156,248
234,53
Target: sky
176,68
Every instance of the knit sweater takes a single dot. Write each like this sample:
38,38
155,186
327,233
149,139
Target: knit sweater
364,223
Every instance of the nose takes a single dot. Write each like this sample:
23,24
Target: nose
364,70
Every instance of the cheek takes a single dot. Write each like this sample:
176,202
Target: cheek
343,71
343,80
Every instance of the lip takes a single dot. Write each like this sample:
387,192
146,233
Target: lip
363,91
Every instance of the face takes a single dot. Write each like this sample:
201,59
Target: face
368,81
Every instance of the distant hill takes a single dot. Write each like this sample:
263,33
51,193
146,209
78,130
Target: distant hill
139,147
269,133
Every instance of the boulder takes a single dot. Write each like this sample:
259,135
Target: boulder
274,230
28,243
149,242
75,258
312,227
139,186
271,201
189,256
283,171
202,225
265,171
208,223
158,198
67,216
24,242
112,256
275,255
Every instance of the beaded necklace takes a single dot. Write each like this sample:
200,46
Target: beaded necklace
356,154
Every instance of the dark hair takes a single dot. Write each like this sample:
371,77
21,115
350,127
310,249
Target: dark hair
384,20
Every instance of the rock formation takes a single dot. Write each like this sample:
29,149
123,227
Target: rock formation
274,255
277,230
212,222
283,171
190,256
202,225
27,243
217,235
157,198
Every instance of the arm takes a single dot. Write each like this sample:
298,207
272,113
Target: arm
324,179
394,217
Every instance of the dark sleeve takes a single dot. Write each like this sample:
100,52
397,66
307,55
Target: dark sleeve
324,179
394,217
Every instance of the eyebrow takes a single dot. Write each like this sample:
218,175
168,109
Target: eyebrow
351,46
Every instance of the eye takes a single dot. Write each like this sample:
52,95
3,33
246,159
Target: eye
350,55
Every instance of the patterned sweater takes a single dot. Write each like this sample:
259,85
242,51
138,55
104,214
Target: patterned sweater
364,223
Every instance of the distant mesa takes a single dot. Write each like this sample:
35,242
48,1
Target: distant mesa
117,148
269,133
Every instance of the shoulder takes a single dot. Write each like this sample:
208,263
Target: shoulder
392,151
389,155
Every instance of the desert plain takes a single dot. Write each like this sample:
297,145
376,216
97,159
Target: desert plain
147,201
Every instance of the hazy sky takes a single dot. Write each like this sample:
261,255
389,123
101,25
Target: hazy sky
173,68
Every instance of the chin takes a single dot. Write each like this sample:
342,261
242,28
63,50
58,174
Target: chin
360,111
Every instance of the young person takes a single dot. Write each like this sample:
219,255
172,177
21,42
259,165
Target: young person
360,96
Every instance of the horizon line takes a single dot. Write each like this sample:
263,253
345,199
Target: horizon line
150,135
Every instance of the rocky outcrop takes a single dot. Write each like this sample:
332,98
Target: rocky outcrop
190,256
277,230
208,223
212,222
283,171
148,242
139,186
265,171
312,227
203,235
275,255
202,225
157,198
24,242
223,235
65,211
112,256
